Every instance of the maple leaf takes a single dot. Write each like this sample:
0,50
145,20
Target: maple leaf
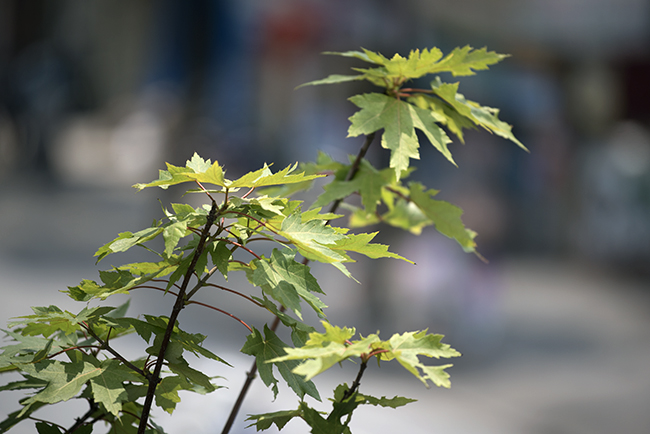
459,111
311,238
445,216
333,79
64,380
108,385
264,177
271,347
360,243
466,60
406,348
196,170
279,418
399,120
287,281
323,350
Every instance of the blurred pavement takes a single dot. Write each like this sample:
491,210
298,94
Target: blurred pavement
569,356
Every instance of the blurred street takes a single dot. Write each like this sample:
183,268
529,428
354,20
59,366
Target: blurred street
566,353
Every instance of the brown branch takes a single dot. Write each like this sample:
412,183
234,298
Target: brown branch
105,346
235,292
209,306
357,381
223,312
235,243
178,306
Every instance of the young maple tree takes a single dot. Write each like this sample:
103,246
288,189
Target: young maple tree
63,355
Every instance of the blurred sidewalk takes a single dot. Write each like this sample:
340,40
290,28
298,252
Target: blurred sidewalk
572,355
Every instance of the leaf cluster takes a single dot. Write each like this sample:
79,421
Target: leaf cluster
400,111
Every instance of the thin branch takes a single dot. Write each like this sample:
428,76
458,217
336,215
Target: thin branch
104,345
354,168
357,381
178,306
223,312
248,193
235,292
204,190
235,243
74,348
208,305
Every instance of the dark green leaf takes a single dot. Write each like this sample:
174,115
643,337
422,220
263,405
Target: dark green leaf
270,347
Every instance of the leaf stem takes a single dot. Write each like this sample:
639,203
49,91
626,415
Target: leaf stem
235,292
235,243
209,306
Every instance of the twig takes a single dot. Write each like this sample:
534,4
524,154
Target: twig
357,381
104,345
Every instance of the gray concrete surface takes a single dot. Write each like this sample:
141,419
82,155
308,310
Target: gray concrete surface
566,351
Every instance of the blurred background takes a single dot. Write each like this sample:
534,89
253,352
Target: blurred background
97,95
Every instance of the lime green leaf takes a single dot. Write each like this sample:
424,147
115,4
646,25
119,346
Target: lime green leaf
406,348
371,185
466,60
360,243
406,215
323,350
195,170
333,79
399,120
270,347
172,234
198,164
444,215
336,190
220,255
446,114
25,350
485,117
264,177
366,56
311,238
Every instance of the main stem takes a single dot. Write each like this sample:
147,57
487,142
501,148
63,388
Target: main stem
250,375
178,306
